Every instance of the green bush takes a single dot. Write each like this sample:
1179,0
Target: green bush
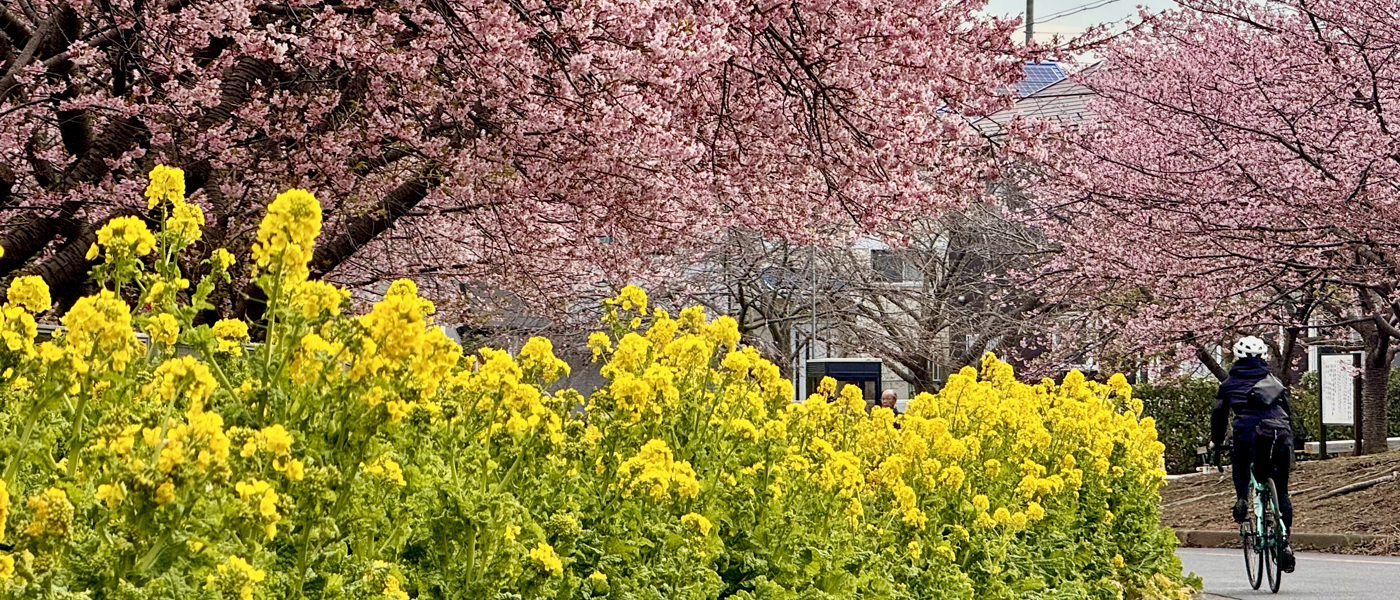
1182,410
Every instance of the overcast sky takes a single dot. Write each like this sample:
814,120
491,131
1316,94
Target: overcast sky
1107,11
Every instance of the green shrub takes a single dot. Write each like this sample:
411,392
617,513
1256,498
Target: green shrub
1182,410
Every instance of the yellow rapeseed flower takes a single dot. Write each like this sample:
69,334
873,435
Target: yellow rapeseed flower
165,494
221,259
31,292
286,235
182,375
230,334
654,472
544,557
125,236
52,514
111,494
167,185
698,522
163,329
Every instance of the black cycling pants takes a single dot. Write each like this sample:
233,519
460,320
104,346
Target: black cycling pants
1270,456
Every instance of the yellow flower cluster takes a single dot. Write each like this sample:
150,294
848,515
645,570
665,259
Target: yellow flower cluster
229,336
182,375
185,221
537,357
655,473
235,578
260,495
200,437
31,292
99,333
277,441
167,185
544,557
316,298
385,468
162,291
400,342
392,588
163,329
111,494
221,259
698,522
28,296
630,298
123,237
286,235
53,514
521,407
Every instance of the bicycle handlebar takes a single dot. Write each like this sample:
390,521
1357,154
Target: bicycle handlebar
1218,450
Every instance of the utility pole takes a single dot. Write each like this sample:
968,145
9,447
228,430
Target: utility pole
1030,21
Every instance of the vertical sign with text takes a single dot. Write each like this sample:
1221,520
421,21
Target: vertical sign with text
1337,387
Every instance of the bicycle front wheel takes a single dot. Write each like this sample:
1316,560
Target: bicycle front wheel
1251,543
1272,537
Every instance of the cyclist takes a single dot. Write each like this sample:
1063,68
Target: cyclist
1263,430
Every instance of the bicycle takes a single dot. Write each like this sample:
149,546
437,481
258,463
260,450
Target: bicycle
1262,533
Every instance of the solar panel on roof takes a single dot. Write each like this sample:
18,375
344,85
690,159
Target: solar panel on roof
1038,77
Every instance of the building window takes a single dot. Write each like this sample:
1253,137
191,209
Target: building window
887,265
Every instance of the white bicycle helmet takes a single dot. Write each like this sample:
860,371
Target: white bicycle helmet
1250,346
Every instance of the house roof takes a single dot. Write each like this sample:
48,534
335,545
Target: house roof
1065,101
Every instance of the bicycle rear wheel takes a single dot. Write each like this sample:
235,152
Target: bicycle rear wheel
1272,537
1250,541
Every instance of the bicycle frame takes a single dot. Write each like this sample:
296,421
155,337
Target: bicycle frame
1259,493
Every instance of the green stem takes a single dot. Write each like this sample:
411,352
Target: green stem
218,370
78,416
149,559
13,463
302,558
472,533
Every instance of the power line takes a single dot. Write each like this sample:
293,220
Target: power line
1076,10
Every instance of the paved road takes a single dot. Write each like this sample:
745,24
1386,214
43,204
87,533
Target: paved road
1320,576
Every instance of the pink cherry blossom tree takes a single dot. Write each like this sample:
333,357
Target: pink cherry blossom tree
537,144
1242,174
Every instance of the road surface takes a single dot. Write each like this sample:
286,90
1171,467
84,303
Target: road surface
1320,576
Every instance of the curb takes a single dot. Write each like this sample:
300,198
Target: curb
1195,538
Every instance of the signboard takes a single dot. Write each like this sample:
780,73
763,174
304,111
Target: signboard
1337,374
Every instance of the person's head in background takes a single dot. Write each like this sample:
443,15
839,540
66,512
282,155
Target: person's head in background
888,399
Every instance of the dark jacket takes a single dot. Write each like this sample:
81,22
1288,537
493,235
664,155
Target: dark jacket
1255,396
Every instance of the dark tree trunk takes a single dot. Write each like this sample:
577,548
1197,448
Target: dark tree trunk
7,184
358,231
116,140
919,372
236,89
1376,375
28,235
1211,364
